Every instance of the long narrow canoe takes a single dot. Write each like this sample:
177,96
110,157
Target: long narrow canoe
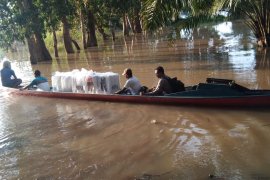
261,100
215,92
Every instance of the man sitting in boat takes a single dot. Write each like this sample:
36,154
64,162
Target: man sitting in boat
39,81
8,77
163,86
132,85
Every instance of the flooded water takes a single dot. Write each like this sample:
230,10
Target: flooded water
44,138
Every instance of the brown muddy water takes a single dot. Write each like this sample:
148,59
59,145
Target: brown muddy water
44,138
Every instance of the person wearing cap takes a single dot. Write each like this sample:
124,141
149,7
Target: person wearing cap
163,86
8,77
39,81
132,85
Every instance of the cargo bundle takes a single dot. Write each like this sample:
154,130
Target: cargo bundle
84,81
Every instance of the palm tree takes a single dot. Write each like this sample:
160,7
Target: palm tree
256,14
160,13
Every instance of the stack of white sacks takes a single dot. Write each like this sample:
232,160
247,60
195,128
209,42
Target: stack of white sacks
86,82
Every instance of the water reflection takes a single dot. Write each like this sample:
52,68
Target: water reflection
262,59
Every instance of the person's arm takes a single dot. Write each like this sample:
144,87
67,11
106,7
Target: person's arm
29,85
124,88
158,90
13,74
121,91
26,87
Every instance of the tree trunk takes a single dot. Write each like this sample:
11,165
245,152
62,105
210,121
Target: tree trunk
113,34
125,26
102,32
37,48
55,44
42,51
130,24
112,29
91,30
137,23
66,36
268,40
83,29
32,50
76,44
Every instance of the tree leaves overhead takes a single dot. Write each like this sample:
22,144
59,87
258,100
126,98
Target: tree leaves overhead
52,11
21,18
10,24
158,13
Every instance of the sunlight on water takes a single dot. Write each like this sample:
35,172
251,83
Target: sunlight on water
224,28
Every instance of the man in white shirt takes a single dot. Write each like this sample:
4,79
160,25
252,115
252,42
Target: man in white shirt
132,85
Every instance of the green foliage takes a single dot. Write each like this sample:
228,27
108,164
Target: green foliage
256,14
52,12
20,19
10,30
160,13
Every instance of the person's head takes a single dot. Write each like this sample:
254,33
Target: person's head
159,71
128,73
6,64
37,73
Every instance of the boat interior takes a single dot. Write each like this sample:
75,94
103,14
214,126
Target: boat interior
218,87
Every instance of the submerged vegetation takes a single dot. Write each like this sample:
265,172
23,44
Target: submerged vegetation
77,23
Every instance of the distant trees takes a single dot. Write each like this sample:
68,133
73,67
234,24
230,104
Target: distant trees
20,21
29,20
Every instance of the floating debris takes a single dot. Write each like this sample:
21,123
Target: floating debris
153,121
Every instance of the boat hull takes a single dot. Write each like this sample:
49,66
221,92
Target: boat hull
228,101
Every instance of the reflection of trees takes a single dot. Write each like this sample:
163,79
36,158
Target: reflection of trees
262,59
205,44
67,63
240,28
262,67
205,32
93,57
73,61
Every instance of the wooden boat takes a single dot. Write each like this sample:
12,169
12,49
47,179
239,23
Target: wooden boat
215,92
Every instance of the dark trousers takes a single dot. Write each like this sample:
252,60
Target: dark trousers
13,83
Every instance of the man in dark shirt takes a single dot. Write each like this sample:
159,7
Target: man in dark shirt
8,77
163,86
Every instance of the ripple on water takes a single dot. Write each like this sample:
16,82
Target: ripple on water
240,131
185,133
127,122
10,148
